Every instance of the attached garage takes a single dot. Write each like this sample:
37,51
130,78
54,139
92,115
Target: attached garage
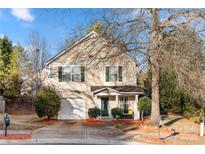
72,108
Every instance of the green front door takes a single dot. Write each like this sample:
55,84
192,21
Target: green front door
104,106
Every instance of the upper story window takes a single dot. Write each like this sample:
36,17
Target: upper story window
71,73
113,73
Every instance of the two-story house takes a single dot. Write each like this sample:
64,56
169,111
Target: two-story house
105,84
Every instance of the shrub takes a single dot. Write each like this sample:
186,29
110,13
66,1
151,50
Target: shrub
117,113
94,112
144,105
47,103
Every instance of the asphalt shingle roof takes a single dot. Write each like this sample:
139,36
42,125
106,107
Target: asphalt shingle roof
125,88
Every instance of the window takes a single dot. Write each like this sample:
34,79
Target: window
124,104
76,73
66,73
71,73
113,73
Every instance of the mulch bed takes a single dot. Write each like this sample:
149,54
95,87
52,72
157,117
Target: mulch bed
174,141
168,135
96,122
48,121
127,121
16,136
93,122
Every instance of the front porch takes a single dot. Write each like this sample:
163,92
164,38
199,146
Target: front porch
108,98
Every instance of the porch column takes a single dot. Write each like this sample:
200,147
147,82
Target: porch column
136,112
97,101
117,100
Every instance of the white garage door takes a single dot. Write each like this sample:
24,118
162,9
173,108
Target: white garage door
72,108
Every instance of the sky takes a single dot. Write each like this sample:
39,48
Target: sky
52,24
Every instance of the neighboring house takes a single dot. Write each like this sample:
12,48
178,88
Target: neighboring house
104,84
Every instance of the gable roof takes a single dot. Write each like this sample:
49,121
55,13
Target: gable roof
73,45
68,48
121,89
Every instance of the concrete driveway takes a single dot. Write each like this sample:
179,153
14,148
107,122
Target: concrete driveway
77,130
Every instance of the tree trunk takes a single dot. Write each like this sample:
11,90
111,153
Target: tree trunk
155,66
142,115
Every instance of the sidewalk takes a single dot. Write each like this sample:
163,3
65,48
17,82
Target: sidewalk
71,141
63,139
17,131
76,134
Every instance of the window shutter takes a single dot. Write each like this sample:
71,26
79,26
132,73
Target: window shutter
82,71
60,74
107,73
120,73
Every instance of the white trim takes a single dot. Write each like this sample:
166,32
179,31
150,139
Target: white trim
105,89
99,90
107,94
135,107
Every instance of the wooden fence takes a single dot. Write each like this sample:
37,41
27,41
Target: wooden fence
20,105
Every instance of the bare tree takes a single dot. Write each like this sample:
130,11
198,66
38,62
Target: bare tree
37,52
169,38
147,33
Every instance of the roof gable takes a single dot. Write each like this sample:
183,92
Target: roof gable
76,43
70,47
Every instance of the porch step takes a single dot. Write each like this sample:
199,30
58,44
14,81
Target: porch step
106,118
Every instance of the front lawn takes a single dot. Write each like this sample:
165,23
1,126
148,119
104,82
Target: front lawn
174,130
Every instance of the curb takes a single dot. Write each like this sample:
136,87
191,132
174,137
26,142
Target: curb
71,141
